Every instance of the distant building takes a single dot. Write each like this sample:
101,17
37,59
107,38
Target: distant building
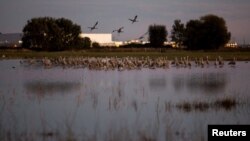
135,41
171,43
104,39
11,40
232,45
118,43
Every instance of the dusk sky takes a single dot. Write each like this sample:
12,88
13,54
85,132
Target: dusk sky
113,14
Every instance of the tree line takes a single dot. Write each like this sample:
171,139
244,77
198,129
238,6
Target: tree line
46,33
208,32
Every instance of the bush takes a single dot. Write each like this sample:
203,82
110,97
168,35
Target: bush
95,45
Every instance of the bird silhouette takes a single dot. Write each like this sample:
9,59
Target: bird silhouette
119,30
134,20
93,27
142,36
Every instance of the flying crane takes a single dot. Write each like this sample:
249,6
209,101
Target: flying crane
93,27
118,30
134,20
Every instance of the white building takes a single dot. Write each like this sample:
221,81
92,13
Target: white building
104,39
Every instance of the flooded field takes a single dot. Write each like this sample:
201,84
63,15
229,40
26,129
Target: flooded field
176,104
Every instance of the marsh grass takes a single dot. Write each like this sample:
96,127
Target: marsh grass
123,134
201,106
225,103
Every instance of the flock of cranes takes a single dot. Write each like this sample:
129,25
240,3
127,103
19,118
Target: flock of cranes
129,63
120,30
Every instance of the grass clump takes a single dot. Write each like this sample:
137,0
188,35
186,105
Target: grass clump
226,104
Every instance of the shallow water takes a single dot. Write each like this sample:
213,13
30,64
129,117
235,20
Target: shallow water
57,103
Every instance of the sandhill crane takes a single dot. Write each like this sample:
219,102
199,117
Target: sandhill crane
119,30
93,27
207,62
202,62
188,62
233,62
216,62
142,36
221,62
134,20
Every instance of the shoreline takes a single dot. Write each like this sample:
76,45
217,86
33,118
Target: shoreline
153,53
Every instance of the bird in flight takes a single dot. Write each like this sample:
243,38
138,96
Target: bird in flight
141,37
134,20
118,30
93,27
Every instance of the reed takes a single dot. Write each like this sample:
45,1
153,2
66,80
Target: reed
225,103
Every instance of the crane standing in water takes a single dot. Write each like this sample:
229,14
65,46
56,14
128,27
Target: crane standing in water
233,62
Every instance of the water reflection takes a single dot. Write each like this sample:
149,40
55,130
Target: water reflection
127,105
211,82
204,82
157,83
50,87
178,83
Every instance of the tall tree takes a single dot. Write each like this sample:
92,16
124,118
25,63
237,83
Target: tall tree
215,32
209,32
51,34
177,33
193,35
157,35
